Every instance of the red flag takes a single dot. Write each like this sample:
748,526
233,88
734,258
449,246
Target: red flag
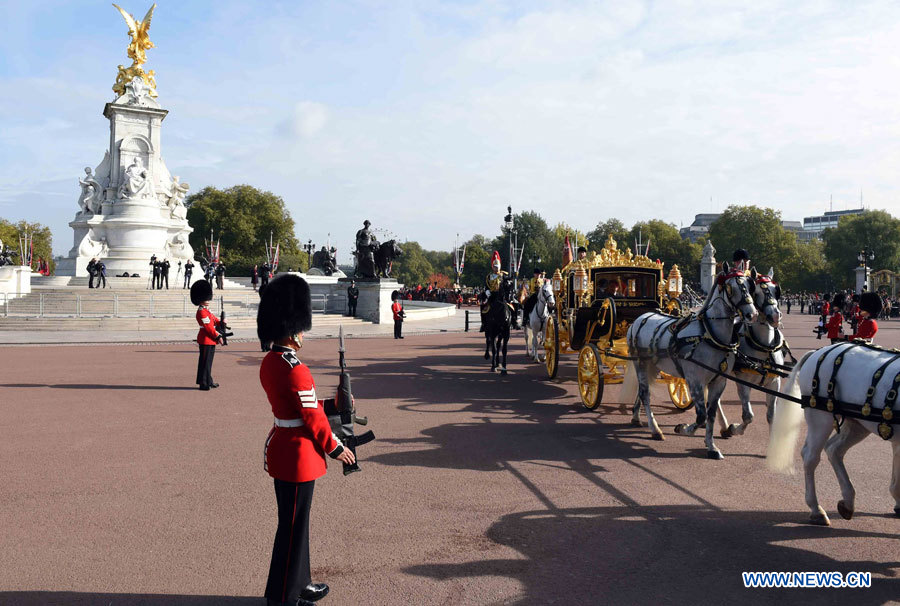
568,255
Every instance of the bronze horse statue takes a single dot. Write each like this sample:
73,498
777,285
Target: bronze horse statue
384,257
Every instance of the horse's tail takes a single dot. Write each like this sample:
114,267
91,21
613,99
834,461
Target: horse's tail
786,425
630,384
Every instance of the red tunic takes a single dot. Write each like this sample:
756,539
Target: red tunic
397,308
295,454
834,325
866,329
207,321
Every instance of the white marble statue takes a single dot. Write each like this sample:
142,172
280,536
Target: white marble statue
135,184
91,198
175,200
179,247
91,248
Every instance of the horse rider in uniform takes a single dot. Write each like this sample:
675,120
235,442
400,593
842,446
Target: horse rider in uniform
301,437
535,284
493,282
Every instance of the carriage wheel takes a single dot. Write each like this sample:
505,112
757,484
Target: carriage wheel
679,393
551,348
590,376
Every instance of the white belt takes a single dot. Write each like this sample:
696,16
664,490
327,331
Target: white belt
288,422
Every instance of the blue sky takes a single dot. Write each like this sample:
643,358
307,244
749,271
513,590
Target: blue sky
428,118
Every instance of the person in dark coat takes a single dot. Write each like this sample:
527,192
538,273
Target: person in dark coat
100,269
301,437
254,277
220,276
164,273
352,298
188,271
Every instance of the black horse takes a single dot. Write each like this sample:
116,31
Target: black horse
384,257
497,325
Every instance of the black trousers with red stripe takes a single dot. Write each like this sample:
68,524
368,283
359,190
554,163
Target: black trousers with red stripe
204,365
289,570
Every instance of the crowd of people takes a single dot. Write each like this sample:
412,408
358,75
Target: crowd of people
858,311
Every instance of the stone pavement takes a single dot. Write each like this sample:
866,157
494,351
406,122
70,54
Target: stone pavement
124,485
244,331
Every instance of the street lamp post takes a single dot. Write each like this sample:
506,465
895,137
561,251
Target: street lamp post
865,256
515,252
309,247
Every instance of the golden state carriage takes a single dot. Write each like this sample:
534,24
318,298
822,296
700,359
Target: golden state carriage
597,299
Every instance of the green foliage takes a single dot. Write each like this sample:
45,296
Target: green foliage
243,217
610,227
759,231
43,240
412,267
875,229
667,245
812,271
478,261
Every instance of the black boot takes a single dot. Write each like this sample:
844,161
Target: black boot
314,592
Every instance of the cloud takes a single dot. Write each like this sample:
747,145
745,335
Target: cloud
307,119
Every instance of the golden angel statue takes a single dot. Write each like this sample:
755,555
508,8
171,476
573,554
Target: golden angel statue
137,51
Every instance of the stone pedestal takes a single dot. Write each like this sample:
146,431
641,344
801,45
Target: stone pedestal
15,281
130,206
861,274
374,302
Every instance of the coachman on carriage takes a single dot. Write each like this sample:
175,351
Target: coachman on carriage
597,298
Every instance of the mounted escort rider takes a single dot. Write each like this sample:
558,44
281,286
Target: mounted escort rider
533,286
492,282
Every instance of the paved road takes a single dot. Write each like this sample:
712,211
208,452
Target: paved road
123,485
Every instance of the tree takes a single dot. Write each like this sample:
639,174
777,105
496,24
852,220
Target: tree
477,262
243,217
876,230
667,245
43,240
536,239
600,234
558,240
412,268
759,231
812,274
440,280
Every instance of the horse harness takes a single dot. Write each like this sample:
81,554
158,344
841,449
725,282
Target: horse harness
843,409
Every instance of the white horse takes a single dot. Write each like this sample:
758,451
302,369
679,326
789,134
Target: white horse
536,321
867,379
762,342
664,343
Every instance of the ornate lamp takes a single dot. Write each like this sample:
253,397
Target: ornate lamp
581,281
675,283
557,282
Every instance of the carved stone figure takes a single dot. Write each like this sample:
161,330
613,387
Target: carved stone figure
6,255
709,251
175,201
179,247
135,182
325,260
384,257
92,248
91,198
366,245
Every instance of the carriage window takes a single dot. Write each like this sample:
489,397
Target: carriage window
624,285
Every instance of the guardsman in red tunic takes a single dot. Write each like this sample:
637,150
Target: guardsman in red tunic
207,336
399,314
869,308
299,440
835,324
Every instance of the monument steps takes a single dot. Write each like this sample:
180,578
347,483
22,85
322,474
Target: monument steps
247,325
118,284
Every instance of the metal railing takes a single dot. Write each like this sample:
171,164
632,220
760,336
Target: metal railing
135,305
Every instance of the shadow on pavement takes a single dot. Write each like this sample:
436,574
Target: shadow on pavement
97,386
75,598
605,555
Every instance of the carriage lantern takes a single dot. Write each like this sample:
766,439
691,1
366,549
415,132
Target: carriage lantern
675,284
557,281
581,281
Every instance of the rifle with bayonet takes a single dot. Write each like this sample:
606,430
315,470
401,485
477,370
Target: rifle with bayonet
221,327
341,412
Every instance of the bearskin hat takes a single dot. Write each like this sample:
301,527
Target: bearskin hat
395,295
855,298
838,300
826,297
285,309
740,255
870,302
201,291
